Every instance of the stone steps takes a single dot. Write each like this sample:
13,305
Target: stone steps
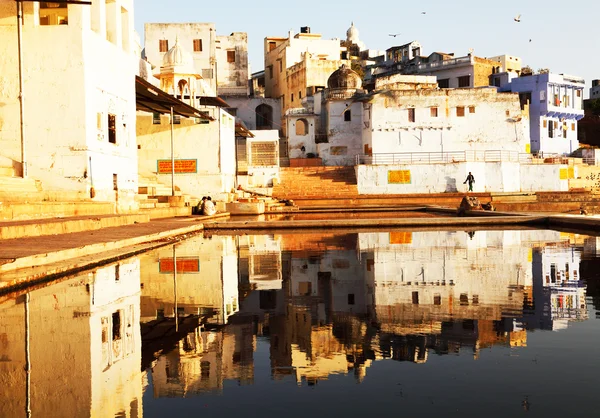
316,182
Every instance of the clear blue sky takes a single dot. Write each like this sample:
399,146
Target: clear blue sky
564,34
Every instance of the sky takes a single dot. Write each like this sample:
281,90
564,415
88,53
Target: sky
564,35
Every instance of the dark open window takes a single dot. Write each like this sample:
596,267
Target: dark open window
347,116
112,128
197,45
230,56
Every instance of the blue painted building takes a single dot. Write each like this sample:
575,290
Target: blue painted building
555,105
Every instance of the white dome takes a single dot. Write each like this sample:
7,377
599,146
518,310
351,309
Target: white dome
352,34
177,56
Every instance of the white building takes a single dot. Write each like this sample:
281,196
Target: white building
221,61
78,103
203,142
555,106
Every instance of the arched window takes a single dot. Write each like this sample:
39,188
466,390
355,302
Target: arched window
264,116
182,87
301,127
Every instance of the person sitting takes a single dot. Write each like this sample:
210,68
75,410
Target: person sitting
209,207
199,209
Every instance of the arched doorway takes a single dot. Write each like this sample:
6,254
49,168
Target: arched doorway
264,117
301,127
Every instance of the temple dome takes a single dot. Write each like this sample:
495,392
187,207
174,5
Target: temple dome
177,56
344,78
352,34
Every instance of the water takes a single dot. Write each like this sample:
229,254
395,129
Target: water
459,324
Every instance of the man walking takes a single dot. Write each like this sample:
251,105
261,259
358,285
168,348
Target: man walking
470,179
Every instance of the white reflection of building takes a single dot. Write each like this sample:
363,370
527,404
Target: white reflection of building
439,275
203,360
204,283
559,293
260,256
84,345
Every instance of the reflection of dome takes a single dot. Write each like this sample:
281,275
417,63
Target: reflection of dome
344,78
352,34
177,56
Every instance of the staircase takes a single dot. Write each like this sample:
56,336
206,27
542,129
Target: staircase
316,183
153,197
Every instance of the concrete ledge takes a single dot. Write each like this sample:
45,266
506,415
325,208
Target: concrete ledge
376,223
22,229
37,267
14,211
246,208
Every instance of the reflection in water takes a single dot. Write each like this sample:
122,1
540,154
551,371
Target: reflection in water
183,321
83,343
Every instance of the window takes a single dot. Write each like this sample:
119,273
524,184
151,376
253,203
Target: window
411,114
471,109
475,299
578,93
116,326
347,116
205,369
444,83
464,299
112,128
272,45
300,95
566,100
292,97
460,111
264,116
556,100
280,66
542,96
117,272
350,298
415,298
230,56
54,13
163,45
464,81
270,71
545,123
437,299
156,118
176,120
572,126
115,182
197,45
550,130
433,111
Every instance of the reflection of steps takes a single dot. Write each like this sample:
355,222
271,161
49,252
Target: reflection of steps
316,182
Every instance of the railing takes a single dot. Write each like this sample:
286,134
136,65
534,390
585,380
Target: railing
457,157
438,64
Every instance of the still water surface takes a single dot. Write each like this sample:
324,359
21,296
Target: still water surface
458,324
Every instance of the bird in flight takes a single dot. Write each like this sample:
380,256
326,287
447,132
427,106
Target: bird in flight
423,13
394,34
517,18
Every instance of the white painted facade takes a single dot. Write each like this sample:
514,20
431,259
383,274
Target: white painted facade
79,112
301,129
449,177
263,166
257,113
556,104
211,144
446,120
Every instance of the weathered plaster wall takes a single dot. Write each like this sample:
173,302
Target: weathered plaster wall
344,137
491,121
440,178
296,142
185,33
246,110
74,77
211,144
232,76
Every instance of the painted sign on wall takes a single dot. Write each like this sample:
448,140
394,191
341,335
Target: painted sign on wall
184,265
398,176
181,166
